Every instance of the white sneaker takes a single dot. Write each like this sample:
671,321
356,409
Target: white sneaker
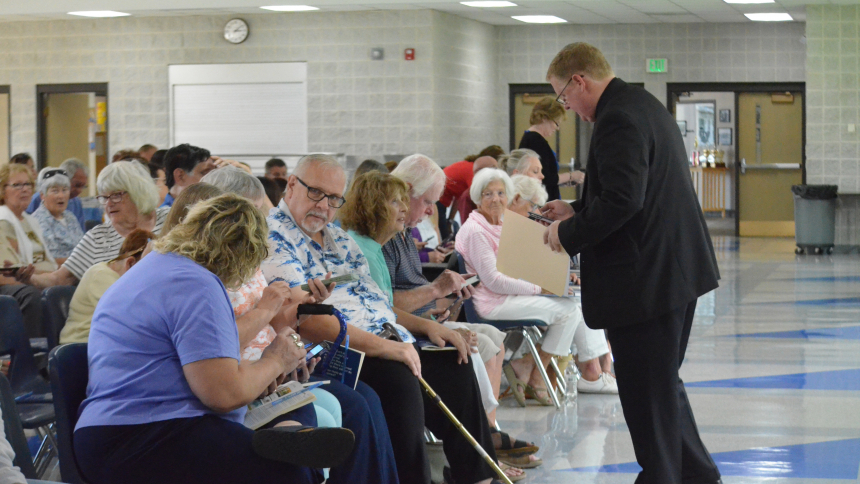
605,384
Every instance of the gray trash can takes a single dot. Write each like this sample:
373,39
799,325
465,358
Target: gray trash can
814,218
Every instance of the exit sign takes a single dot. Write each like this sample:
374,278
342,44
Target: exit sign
657,66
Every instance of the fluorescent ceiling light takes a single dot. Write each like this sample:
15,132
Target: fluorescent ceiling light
290,8
748,1
539,19
769,17
100,14
490,4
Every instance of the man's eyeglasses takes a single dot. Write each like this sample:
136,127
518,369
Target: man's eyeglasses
113,197
318,195
558,99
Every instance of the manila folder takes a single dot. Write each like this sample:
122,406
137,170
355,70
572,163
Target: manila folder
523,255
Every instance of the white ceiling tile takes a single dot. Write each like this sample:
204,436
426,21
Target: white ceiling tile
677,19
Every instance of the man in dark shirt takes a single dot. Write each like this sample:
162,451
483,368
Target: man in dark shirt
646,257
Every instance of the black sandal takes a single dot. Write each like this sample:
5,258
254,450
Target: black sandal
513,448
316,447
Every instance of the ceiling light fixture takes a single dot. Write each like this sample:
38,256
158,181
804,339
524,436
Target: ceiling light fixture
769,17
290,8
490,4
748,1
100,14
539,19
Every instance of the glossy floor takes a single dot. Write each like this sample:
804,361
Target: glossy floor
772,371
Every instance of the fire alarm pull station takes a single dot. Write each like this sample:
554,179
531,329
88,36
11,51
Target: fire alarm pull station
409,54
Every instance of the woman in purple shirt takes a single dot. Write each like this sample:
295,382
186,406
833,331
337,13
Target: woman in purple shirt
167,392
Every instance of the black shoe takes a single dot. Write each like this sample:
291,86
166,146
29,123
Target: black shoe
315,447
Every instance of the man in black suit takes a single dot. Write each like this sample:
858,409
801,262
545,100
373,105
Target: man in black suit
646,257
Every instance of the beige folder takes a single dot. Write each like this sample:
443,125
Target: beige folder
523,255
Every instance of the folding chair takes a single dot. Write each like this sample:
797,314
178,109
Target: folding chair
55,307
67,365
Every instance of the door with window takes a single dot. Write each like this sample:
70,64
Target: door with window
770,150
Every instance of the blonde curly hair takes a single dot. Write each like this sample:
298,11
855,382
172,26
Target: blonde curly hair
226,235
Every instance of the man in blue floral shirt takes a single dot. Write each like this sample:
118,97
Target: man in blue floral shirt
303,245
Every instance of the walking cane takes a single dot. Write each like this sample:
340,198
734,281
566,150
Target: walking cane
393,334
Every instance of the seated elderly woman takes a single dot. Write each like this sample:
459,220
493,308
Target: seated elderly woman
593,357
522,162
60,227
21,244
130,199
96,282
306,245
263,310
167,391
502,297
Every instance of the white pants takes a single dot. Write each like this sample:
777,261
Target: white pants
590,343
562,315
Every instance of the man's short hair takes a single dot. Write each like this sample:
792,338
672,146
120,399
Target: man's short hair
275,163
184,157
580,58
72,166
147,147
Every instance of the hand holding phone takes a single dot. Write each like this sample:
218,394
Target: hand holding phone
344,279
540,218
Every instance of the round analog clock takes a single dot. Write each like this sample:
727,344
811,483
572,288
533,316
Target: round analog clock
236,31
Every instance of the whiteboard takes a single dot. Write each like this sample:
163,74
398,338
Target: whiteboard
240,110
244,119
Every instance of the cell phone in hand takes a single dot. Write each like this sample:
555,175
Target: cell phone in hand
344,279
10,270
540,218
313,352
449,309
472,281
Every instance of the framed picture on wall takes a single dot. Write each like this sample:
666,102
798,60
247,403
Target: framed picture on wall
726,116
725,136
682,125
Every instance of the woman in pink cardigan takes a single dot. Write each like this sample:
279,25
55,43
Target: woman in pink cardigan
501,297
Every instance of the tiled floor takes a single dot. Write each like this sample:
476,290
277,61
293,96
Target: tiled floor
773,374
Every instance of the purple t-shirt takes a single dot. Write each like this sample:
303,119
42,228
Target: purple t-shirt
166,312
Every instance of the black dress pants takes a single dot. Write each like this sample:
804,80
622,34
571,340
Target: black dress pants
408,410
648,356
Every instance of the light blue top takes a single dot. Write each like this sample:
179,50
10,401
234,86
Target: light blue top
376,262
61,237
168,201
296,258
166,312
75,206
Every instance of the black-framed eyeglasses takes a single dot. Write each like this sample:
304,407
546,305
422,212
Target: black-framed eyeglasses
318,195
558,99
52,173
113,197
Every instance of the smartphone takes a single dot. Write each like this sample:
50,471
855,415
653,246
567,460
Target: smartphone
313,352
540,218
10,269
347,278
447,240
472,281
448,309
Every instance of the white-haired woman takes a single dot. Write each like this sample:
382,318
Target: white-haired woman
593,357
130,199
60,228
502,297
522,162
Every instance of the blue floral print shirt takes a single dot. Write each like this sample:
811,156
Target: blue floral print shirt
295,258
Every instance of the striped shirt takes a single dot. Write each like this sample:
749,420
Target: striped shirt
101,244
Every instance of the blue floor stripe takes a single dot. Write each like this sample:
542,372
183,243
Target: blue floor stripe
838,459
825,279
845,332
848,380
842,301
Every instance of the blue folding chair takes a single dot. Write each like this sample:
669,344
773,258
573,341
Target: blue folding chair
67,365
529,328
55,308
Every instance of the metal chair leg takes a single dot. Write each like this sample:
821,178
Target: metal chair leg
562,384
47,450
430,438
531,344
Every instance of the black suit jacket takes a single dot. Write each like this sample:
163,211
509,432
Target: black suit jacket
644,245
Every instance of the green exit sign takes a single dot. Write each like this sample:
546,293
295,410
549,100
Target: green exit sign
657,66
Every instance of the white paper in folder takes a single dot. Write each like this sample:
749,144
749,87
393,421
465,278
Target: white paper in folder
523,255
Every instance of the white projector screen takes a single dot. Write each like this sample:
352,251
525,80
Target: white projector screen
240,110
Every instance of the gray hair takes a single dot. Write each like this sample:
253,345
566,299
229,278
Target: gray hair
325,162
484,178
237,181
133,178
73,165
529,188
518,160
59,180
422,173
